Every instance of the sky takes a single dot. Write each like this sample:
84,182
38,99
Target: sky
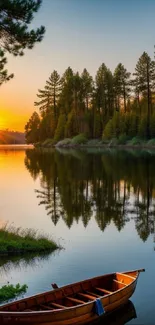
80,34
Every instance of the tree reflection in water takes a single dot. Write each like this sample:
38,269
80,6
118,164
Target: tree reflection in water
109,185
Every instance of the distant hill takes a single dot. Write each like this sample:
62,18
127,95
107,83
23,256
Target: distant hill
11,137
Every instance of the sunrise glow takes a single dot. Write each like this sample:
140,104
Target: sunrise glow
12,120
2,122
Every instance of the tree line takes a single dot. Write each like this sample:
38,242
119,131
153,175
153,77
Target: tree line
107,106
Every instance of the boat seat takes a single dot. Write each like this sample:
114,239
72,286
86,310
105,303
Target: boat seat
103,290
93,294
85,295
120,283
76,300
44,307
54,304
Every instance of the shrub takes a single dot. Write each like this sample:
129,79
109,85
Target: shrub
64,142
113,142
123,138
151,142
135,141
48,143
94,142
79,139
10,291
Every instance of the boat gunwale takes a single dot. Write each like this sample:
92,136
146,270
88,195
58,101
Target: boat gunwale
45,312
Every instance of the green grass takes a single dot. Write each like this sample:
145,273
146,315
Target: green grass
10,291
18,241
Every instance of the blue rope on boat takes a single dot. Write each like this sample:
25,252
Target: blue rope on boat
99,309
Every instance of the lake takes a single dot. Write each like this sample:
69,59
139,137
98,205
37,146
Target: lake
98,204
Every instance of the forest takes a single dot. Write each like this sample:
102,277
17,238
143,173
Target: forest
75,108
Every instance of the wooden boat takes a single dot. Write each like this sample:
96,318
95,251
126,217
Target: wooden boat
77,303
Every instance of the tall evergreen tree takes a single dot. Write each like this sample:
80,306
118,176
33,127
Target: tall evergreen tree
15,17
104,91
87,88
53,86
66,96
121,85
100,80
32,129
50,94
145,77
45,101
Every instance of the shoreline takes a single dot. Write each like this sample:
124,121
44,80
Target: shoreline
103,146
16,146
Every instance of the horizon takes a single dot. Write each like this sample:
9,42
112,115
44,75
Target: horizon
80,34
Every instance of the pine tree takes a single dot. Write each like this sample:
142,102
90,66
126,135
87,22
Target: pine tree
145,76
50,94
77,93
100,80
53,86
87,88
3,72
104,92
15,17
32,128
66,96
45,101
121,86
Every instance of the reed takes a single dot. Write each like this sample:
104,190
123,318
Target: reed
18,241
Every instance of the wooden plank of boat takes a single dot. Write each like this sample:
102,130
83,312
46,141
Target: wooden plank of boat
77,303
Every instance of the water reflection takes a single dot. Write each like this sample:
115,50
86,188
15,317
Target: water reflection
119,317
111,186
27,261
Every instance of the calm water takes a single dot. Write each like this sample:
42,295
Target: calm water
99,205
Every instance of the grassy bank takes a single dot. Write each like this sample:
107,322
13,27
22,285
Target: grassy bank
18,241
80,141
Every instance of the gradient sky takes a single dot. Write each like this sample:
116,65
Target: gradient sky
80,34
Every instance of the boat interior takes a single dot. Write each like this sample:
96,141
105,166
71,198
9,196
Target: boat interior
72,295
